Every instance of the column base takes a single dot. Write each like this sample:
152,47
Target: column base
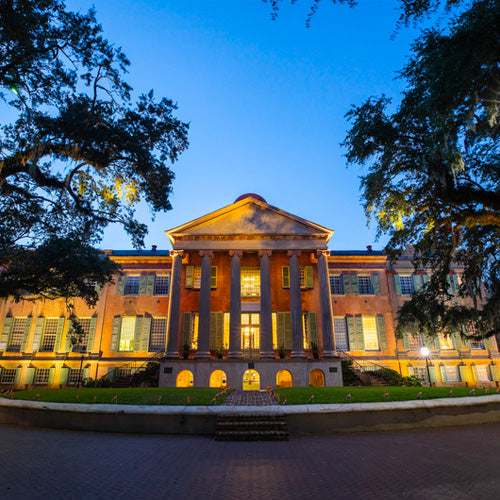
202,355
329,354
266,355
234,355
298,355
172,355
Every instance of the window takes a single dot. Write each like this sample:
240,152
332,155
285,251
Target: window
341,338
42,376
336,285
74,376
365,284
370,333
310,328
414,342
162,285
250,330
406,283
476,344
197,277
445,341
452,373
190,330
8,376
157,337
132,284
17,334
49,335
250,282
482,372
305,273
81,343
421,373
127,334
193,277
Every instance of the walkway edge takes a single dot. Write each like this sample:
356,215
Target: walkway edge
302,419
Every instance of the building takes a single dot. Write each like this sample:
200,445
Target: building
250,296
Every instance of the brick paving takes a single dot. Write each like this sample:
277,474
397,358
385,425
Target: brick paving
451,463
248,398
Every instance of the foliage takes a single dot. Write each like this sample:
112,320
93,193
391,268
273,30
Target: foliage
152,374
433,178
99,383
349,377
79,154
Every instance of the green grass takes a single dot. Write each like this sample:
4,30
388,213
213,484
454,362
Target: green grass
131,396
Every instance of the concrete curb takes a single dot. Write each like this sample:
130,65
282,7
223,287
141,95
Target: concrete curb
302,419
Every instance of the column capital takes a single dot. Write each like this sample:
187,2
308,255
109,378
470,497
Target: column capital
239,253
326,253
176,253
298,253
206,252
265,252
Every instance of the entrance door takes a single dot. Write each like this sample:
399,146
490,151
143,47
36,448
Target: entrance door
251,380
250,333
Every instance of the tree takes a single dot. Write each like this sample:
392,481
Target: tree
433,178
78,155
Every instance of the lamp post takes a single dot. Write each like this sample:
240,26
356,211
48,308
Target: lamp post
80,372
425,353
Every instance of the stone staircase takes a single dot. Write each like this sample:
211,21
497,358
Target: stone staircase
248,427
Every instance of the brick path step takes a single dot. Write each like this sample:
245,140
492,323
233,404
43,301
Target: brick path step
251,428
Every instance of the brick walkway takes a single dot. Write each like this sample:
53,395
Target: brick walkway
452,463
248,398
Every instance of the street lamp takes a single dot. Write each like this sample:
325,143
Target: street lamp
425,352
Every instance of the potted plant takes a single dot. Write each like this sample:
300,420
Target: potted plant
282,352
186,349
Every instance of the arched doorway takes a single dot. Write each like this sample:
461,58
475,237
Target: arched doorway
283,379
251,380
185,379
218,379
317,378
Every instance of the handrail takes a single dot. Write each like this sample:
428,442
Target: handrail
132,365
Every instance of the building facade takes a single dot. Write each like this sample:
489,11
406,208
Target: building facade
249,296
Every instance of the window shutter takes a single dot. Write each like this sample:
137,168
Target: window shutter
456,284
37,336
359,332
437,345
51,376
27,328
474,372
18,375
4,337
494,373
212,336
442,369
280,330
354,284
189,276
347,284
85,373
146,332
417,282
150,287
30,375
213,277
216,330
187,328
288,330
91,337
397,284
308,272
63,375
406,342
137,333
382,335
68,346
59,332
376,284
462,369
432,374
425,279
285,277
120,288
142,284
466,342
313,328
450,287
351,332
115,333
488,343
411,371
457,341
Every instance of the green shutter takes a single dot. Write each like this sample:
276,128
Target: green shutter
406,342
450,287
347,284
68,346
189,276
456,284
285,277
216,336
63,375
137,333
120,288
417,282
313,329
466,342
397,284
308,274
146,332
280,330
354,284
59,332
432,373
52,372
27,328
437,345
376,283
150,287
474,372
288,330
464,377
91,337
494,373
359,332
18,375
37,336
488,343
382,335
30,375
213,277
351,332
411,371
187,328
457,341
425,279
142,284
115,333
4,337
442,369
85,373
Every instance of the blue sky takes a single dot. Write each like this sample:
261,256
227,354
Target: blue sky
265,101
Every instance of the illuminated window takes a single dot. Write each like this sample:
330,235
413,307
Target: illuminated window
197,277
250,282
445,341
482,372
81,342
127,334
250,329
341,338
132,285
17,334
157,337
49,335
421,373
162,285
42,375
336,285
370,333
414,341
8,376
365,284
190,329
406,283
452,373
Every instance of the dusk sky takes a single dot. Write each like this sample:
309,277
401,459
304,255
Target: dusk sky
265,101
